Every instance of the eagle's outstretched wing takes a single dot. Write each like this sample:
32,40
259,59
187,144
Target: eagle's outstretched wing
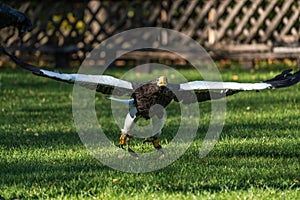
207,90
101,83
204,90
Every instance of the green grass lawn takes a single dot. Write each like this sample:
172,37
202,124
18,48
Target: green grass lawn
42,157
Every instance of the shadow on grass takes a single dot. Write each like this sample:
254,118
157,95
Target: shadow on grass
46,139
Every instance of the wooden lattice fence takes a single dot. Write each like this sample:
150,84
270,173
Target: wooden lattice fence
236,29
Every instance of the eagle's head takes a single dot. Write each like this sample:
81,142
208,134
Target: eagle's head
162,81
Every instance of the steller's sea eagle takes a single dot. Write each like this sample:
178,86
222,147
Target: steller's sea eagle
158,92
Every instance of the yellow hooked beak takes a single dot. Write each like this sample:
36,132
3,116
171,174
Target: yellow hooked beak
162,81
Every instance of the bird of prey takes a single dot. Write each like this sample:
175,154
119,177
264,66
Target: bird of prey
144,96
12,17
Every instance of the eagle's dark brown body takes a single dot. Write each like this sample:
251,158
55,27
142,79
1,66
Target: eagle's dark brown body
149,95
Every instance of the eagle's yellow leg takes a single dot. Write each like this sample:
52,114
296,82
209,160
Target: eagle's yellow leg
157,146
155,141
124,139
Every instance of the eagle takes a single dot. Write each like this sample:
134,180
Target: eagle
145,96
12,17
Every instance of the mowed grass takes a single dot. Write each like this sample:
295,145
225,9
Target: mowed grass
42,156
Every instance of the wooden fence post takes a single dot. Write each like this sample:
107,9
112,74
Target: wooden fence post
212,24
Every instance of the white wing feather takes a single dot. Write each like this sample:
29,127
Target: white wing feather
210,85
93,79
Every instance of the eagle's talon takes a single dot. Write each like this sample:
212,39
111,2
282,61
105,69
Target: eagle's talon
132,153
162,156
